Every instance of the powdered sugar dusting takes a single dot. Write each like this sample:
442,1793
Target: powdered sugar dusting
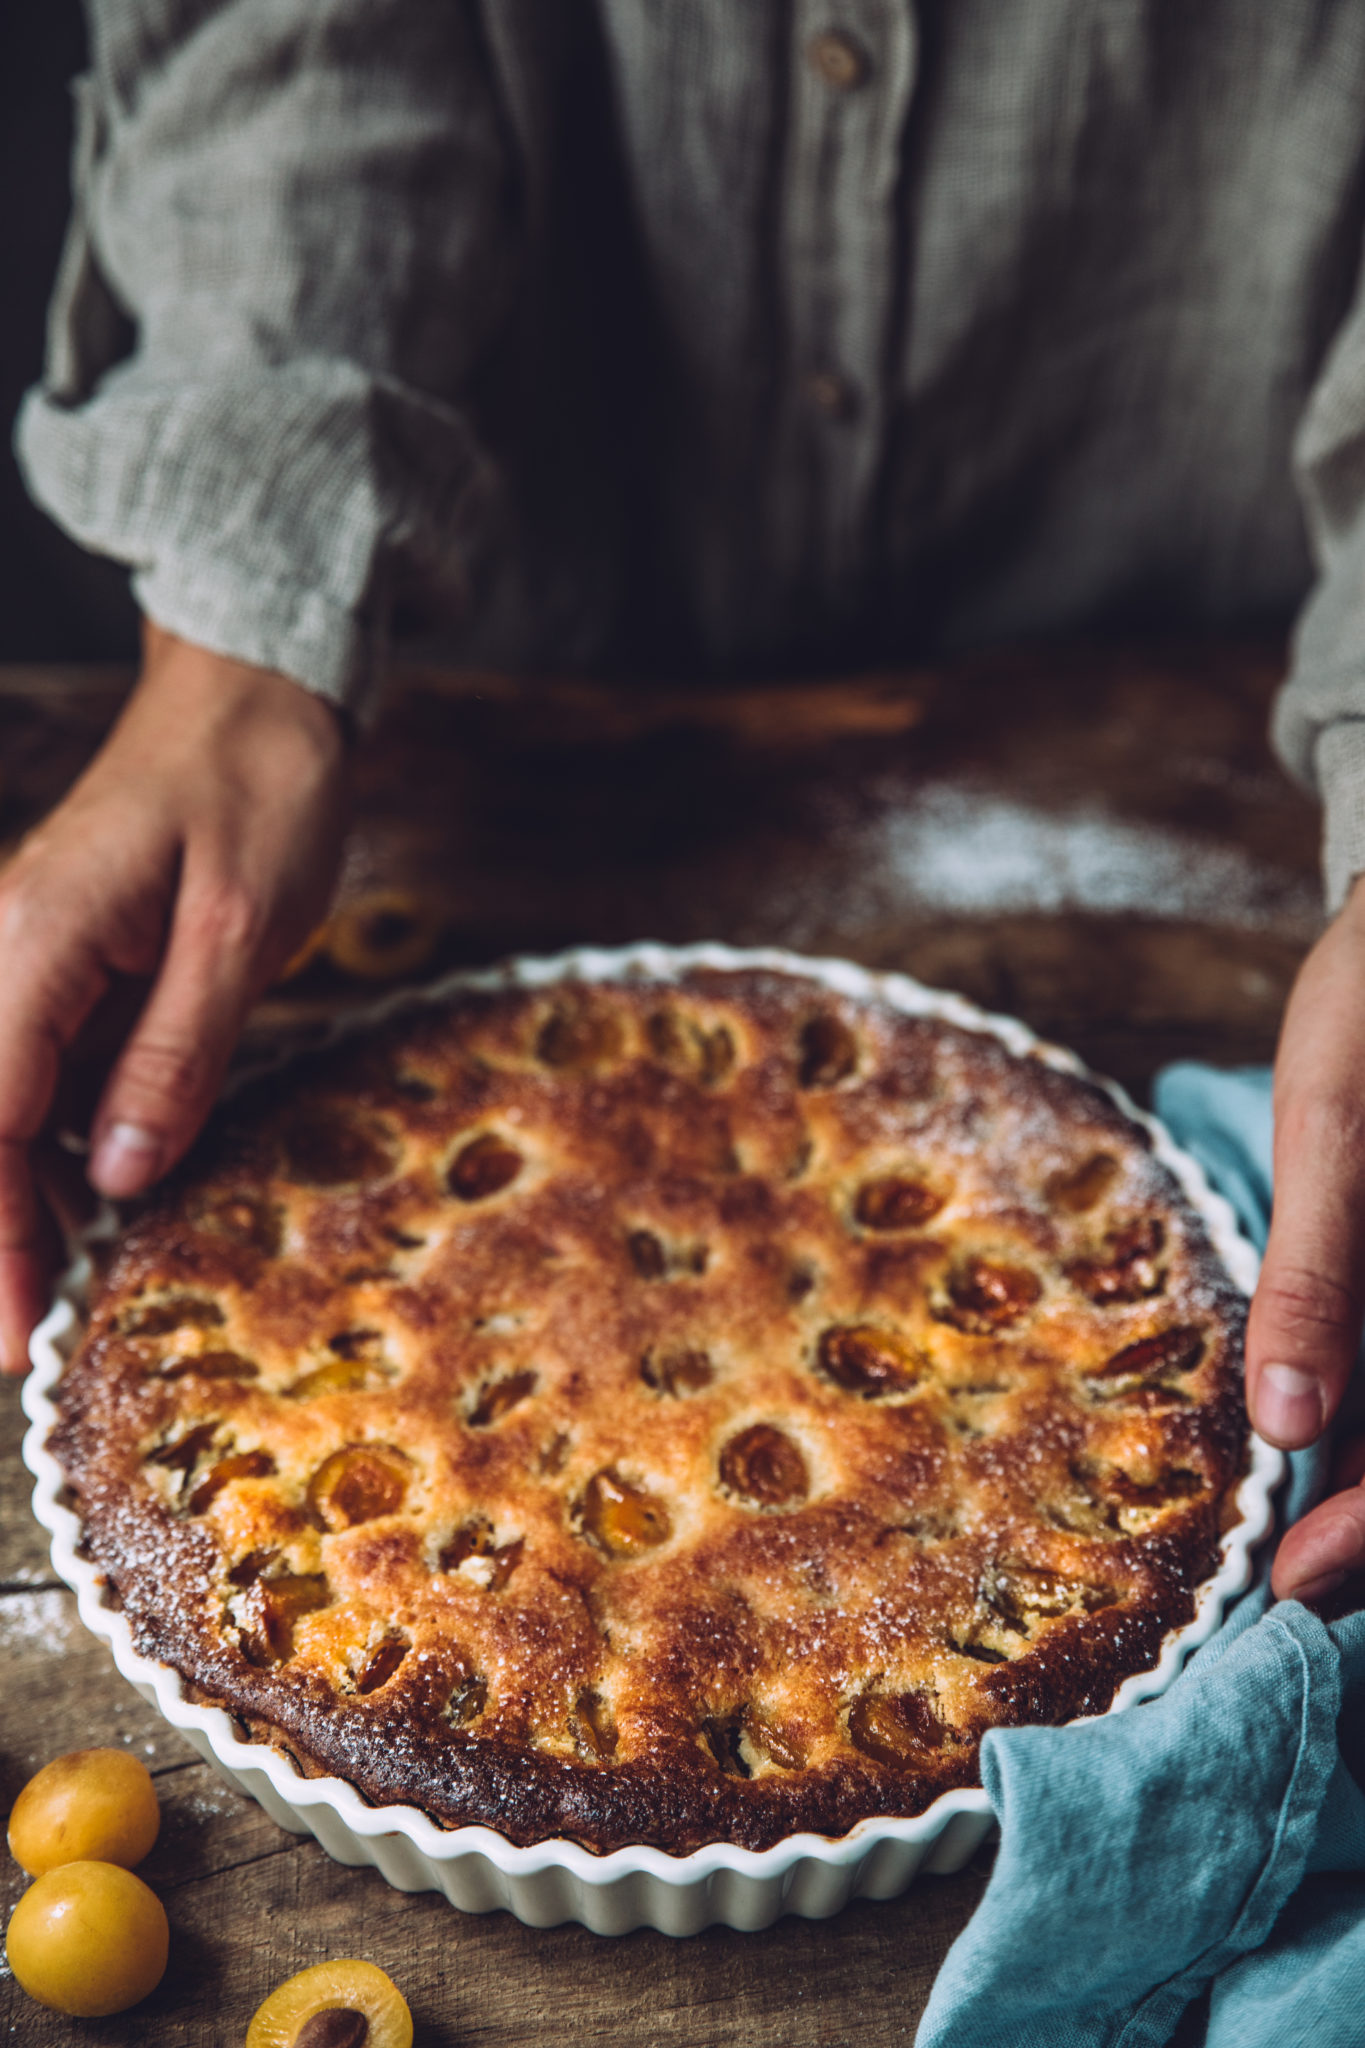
48,1619
210,1799
955,848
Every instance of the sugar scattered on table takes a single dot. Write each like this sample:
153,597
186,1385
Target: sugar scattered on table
954,848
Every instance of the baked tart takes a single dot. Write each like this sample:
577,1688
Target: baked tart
659,1411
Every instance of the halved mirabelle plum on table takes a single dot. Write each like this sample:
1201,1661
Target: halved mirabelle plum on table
344,2004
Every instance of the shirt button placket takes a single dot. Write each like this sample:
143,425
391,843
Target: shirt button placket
852,85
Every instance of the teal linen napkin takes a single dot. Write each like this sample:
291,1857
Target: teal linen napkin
1210,1842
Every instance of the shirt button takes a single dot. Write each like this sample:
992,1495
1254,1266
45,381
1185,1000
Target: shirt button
838,59
832,395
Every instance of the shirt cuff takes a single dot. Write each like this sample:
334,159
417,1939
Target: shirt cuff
277,626
1339,771
262,515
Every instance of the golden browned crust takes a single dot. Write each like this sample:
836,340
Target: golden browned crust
659,1413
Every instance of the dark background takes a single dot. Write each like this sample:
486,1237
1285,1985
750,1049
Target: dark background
56,602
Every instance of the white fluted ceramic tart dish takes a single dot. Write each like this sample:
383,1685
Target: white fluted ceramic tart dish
606,1437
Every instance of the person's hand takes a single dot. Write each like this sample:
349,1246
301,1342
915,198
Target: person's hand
1306,1318
185,866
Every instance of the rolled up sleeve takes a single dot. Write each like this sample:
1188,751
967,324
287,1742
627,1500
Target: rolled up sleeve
295,240
1319,720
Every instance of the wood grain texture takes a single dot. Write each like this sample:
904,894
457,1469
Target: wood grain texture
546,813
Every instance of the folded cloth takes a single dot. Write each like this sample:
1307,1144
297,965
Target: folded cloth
1210,1843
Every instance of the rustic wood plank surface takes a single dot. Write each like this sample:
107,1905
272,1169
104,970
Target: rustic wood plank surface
1096,840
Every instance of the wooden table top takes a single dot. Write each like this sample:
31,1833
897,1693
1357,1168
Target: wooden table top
1095,840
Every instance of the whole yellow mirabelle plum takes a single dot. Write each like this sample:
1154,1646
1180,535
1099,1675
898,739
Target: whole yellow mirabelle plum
93,1806
88,1939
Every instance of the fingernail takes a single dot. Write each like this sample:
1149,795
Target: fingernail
1318,1589
1288,1406
125,1159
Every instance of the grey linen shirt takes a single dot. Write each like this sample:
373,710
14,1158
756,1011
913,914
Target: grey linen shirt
724,333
